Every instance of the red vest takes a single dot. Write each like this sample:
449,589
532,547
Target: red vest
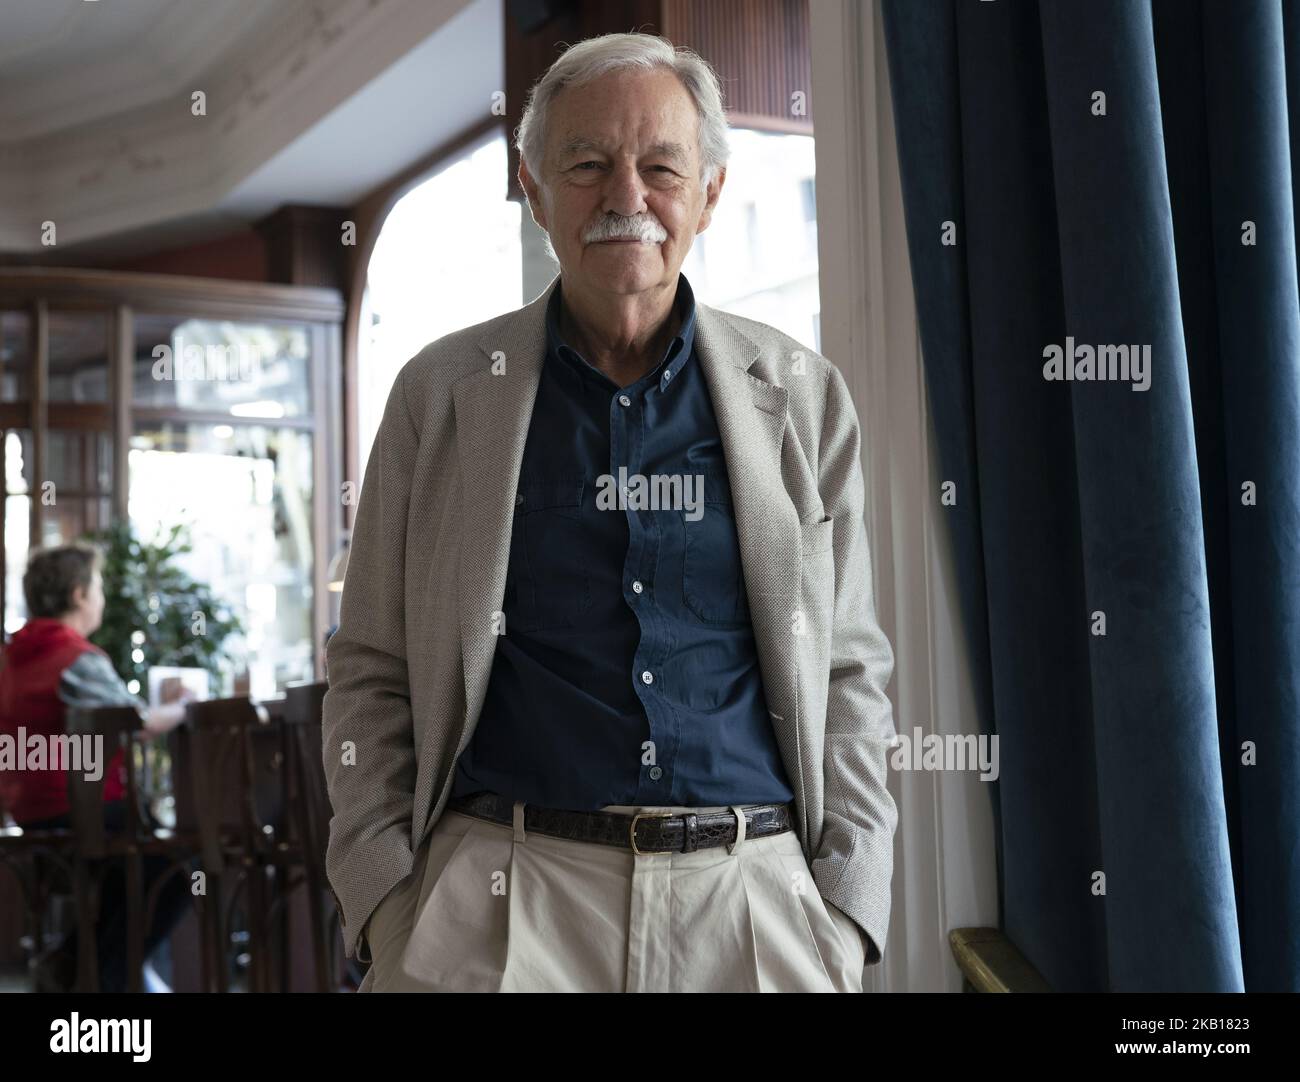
29,698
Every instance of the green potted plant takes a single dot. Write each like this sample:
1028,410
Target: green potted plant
155,613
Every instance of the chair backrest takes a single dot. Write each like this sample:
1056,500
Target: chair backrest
310,794
229,776
115,727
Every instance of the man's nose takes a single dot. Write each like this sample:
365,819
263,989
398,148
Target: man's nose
625,191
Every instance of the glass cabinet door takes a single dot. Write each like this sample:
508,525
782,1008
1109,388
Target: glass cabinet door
78,355
223,441
79,467
244,369
15,356
162,401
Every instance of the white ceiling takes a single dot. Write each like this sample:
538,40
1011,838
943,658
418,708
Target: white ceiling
309,101
63,64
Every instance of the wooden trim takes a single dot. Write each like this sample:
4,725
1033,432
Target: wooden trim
96,416
15,414
322,498
168,414
121,373
38,421
992,963
99,417
759,122
68,287
331,436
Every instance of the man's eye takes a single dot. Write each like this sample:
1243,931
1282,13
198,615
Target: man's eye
583,165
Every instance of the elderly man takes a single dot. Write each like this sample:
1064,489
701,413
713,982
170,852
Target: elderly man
607,700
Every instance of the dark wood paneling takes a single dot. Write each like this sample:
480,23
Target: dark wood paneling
760,50
304,246
241,256
529,55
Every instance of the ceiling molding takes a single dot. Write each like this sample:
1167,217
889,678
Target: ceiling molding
95,169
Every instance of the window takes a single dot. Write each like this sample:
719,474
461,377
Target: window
449,256
760,259
245,490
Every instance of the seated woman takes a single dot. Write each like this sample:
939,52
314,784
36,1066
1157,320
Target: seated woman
48,666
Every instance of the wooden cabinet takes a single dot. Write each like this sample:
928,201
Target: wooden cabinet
161,398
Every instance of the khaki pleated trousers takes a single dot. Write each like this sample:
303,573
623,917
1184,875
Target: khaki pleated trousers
492,908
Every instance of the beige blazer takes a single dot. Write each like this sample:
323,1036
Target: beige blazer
409,663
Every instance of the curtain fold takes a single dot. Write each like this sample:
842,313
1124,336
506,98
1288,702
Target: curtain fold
1111,181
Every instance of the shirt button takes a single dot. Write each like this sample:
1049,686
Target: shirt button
646,678
637,587
519,500
668,375
623,400
656,772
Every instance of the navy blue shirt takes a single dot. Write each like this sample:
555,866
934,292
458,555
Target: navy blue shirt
627,673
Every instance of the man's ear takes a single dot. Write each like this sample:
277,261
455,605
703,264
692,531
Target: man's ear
531,189
711,199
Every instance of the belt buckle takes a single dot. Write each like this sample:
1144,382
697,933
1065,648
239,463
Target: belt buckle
632,832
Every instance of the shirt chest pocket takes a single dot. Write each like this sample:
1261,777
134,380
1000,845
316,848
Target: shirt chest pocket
549,585
713,583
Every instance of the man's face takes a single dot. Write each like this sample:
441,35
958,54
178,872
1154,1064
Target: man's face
622,156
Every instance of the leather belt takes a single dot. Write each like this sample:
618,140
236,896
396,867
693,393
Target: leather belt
644,832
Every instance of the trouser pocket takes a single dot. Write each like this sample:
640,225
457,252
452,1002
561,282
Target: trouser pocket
458,936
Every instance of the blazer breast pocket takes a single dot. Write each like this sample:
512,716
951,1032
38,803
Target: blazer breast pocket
548,585
817,576
815,537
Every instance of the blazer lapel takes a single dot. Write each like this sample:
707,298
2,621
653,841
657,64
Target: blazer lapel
493,412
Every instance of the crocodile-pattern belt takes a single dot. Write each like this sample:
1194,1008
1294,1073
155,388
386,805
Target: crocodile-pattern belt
644,832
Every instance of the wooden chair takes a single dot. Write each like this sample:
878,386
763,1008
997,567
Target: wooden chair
31,856
307,799
97,847
230,790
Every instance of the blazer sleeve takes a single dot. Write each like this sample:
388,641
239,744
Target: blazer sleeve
854,862
367,735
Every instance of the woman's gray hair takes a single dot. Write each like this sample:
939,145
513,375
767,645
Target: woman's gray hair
590,59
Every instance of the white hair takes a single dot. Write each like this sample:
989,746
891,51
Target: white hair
590,59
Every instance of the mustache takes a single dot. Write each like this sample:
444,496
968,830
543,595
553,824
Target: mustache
643,227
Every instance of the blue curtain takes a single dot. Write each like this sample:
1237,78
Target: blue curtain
1089,175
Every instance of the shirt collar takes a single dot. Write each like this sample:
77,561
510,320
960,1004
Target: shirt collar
677,354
